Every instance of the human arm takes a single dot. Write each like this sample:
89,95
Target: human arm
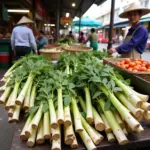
88,39
13,40
32,41
138,38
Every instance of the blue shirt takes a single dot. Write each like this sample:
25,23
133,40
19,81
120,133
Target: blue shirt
23,36
42,41
138,40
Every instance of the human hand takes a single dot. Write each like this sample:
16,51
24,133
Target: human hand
112,50
36,52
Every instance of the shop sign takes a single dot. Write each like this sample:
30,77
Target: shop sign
5,14
39,10
65,20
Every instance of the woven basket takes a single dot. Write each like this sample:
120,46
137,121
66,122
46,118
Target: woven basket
51,55
112,62
74,49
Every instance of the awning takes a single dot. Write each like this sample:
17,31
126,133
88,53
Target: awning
145,20
117,25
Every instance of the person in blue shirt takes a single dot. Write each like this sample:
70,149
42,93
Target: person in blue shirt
136,39
22,39
42,40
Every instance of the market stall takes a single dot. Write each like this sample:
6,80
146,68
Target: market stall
94,106
5,54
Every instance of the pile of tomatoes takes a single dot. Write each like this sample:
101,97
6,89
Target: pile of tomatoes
135,65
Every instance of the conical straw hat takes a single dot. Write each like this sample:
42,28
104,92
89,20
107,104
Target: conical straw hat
134,7
24,20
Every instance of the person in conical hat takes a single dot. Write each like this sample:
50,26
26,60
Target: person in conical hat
22,39
136,39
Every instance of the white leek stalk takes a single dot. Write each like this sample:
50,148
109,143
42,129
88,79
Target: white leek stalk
14,94
16,113
96,139
10,120
76,115
143,97
23,137
140,129
10,112
40,136
145,106
68,131
89,112
56,144
87,140
32,138
26,103
46,125
107,126
74,143
23,92
5,95
133,98
37,117
33,96
67,116
55,133
60,107
135,111
118,132
98,122
53,117
7,106
110,136
132,122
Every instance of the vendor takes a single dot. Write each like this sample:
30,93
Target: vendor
22,39
42,40
93,38
70,35
81,38
136,39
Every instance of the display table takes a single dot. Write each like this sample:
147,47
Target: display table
137,141
5,54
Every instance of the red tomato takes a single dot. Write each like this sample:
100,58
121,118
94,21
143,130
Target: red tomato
122,62
138,62
127,60
130,69
132,64
148,70
135,70
143,69
126,66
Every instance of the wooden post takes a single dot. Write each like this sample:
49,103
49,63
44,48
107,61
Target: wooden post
57,19
33,12
80,22
110,42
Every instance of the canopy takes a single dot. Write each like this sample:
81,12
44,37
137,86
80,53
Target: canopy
88,22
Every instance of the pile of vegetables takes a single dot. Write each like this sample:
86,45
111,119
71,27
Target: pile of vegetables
51,48
65,40
135,65
78,96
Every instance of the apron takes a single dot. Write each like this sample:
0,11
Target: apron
94,45
134,53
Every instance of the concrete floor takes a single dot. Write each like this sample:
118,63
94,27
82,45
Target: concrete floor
6,129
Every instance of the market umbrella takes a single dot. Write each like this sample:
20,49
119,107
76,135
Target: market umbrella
88,22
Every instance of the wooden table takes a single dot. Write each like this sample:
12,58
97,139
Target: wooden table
141,140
